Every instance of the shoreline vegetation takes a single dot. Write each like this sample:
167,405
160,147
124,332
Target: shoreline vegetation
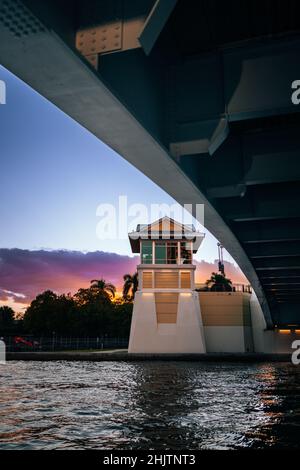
95,311
93,318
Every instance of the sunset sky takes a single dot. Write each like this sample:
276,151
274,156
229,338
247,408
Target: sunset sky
53,176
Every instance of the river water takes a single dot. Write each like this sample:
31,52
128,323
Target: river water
149,405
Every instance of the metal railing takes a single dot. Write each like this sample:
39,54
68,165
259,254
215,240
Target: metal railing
235,288
186,260
61,343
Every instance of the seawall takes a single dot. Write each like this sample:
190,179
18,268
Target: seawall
122,355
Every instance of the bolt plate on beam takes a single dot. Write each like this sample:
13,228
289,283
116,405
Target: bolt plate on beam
100,39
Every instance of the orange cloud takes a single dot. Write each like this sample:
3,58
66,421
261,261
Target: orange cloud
25,273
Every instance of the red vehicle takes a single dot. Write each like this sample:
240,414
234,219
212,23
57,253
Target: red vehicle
23,341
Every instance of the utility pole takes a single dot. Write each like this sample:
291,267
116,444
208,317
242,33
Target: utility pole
221,261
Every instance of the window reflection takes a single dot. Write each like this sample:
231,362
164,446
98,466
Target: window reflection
146,252
185,252
166,252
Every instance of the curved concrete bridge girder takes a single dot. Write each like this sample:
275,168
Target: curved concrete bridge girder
206,122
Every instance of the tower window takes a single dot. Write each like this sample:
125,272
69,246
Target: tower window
186,252
146,252
166,252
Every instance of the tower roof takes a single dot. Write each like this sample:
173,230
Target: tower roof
165,228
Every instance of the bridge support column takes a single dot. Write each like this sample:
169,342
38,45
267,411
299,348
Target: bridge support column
150,336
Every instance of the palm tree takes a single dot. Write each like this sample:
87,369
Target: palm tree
219,283
103,288
130,286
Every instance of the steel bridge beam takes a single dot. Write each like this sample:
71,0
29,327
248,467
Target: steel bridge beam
218,121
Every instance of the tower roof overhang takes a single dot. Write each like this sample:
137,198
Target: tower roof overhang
165,229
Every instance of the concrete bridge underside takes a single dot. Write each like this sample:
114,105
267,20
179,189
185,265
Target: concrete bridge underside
197,95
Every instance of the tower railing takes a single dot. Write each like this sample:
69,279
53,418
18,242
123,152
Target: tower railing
235,287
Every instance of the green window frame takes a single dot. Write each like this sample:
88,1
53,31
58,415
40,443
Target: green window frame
166,252
160,253
146,252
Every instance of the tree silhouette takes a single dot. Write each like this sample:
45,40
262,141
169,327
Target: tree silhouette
102,287
130,285
219,283
89,312
50,313
7,316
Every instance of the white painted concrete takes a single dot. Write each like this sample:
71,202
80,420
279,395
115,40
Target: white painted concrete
268,341
228,339
186,336
258,324
2,352
189,336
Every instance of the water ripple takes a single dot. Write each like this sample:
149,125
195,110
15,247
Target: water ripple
148,405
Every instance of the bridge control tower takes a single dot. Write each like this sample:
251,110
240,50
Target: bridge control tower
166,314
